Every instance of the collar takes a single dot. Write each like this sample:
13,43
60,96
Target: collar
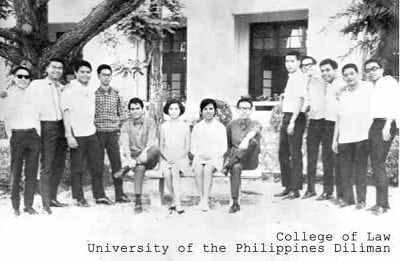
138,121
100,89
244,123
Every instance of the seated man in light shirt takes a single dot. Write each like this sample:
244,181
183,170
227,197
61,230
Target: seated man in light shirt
22,122
350,138
78,104
384,100
139,145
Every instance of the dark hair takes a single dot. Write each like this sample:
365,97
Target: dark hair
309,57
174,101
207,101
244,99
372,61
135,101
329,61
103,67
16,69
81,63
56,59
294,53
350,66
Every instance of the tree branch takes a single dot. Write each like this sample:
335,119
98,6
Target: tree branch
10,34
10,53
40,3
100,18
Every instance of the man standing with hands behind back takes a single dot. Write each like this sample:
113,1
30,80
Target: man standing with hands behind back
292,129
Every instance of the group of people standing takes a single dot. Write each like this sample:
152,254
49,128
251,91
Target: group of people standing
45,118
351,119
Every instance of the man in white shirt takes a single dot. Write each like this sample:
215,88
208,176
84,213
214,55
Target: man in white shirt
334,83
22,119
351,135
292,129
54,145
383,111
78,104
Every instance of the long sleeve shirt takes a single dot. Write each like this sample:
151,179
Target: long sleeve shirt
138,135
238,129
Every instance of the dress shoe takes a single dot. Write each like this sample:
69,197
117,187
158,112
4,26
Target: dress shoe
308,194
234,208
47,210
17,212
122,172
138,208
379,211
373,208
292,195
30,211
57,204
360,205
82,203
105,201
345,204
123,199
283,193
325,196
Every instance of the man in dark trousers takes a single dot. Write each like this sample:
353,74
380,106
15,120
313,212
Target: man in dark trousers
243,147
292,129
22,120
107,119
383,103
54,145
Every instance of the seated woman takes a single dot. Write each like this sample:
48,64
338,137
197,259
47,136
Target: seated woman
209,143
174,146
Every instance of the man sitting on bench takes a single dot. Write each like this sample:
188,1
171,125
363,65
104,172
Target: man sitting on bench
243,147
139,145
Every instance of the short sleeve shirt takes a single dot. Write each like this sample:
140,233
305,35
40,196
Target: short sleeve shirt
80,101
296,88
354,114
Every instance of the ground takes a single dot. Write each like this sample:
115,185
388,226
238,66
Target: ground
70,232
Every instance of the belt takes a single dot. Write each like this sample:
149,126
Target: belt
379,119
23,130
52,122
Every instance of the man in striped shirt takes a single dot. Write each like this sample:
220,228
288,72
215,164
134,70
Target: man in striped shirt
107,119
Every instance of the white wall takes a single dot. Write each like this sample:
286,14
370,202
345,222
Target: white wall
218,46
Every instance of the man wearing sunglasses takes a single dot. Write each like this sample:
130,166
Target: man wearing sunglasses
383,111
22,119
54,146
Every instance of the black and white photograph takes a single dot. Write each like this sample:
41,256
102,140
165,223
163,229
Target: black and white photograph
199,130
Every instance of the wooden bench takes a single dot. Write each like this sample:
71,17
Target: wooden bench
156,174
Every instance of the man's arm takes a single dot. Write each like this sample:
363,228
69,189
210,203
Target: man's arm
71,141
296,112
256,129
335,140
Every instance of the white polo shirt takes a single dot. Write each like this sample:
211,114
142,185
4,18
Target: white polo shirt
354,113
384,98
332,102
296,88
80,101
317,97
21,110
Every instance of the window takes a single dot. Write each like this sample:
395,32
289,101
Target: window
175,42
267,82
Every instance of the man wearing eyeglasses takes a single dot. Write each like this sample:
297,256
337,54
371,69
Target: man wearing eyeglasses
54,144
107,119
381,133
243,147
22,121
316,102
292,129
